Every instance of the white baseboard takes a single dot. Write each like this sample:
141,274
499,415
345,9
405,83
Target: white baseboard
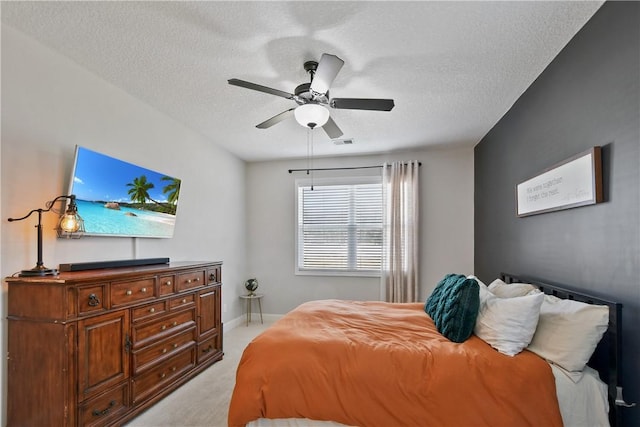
241,320
229,325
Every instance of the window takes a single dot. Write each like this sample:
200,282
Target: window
339,227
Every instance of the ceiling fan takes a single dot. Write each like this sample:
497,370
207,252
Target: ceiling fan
312,98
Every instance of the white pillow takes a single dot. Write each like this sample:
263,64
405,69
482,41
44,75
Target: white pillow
510,290
507,324
569,331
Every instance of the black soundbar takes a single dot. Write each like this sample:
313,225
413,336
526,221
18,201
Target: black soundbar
80,266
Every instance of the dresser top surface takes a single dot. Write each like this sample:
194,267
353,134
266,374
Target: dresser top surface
114,273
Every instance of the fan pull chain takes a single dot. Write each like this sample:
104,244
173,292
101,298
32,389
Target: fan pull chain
308,150
310,154
312,171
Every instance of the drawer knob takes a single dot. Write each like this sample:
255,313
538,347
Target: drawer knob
94,301
162,375
168,283
128,292
163,327
197,279
164,350
175,346
143,290
152,310
184,300
212,277
174,323
188,280
174,369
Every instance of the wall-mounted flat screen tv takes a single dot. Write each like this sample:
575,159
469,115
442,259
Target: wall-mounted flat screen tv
117,198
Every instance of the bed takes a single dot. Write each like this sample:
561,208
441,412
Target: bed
333,362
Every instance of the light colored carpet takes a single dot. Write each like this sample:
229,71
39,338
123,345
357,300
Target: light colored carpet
204,401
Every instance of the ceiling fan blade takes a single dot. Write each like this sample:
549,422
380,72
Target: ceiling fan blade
332,129
363,104
327,70
260,88
276,119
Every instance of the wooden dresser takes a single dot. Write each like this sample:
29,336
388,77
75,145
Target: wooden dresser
97,347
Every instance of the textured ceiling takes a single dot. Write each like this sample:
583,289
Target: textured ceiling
453,68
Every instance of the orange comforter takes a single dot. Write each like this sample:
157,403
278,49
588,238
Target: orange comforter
384,364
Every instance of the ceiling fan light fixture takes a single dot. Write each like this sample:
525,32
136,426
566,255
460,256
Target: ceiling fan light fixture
311,115
312,99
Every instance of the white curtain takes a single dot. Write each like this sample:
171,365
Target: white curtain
400,232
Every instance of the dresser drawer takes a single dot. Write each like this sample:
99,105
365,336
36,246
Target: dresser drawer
104,408
182,301
209,348
150,382
160,328
132,291
160,351
190,280
214,275
149,310
167,284
91,299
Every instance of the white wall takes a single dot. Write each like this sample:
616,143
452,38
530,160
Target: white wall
446,181
49,104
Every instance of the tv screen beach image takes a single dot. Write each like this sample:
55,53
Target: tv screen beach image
117,198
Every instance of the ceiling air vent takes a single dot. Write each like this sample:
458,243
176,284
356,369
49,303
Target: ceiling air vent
343,141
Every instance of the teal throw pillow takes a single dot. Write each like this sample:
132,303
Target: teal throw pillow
453,305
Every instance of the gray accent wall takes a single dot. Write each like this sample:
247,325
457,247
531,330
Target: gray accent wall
588,96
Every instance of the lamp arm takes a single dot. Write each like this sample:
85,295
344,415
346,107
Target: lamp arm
50,204
49,207
28,215
39,264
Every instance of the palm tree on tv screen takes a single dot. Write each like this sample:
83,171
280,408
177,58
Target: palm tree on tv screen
139,191
172,189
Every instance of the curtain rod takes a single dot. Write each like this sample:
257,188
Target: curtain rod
336,169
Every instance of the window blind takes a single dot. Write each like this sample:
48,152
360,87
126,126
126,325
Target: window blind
340,228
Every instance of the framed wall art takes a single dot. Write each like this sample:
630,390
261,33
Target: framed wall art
571,183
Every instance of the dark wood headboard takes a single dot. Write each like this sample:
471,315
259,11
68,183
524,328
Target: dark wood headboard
606,358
